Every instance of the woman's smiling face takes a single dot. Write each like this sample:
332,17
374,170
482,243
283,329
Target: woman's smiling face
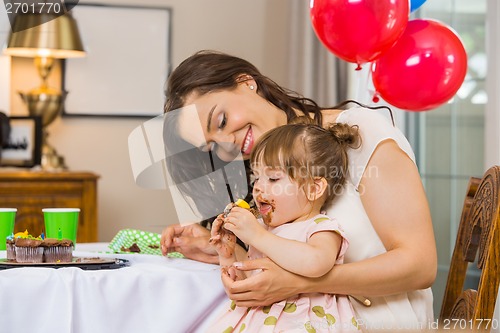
233,120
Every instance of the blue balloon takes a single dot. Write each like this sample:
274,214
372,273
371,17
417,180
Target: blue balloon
415,4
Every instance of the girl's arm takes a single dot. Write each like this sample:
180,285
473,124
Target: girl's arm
225,245
396,204
312,259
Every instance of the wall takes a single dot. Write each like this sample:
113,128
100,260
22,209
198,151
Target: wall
256,30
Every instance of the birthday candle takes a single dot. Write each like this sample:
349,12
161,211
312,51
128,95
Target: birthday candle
59,234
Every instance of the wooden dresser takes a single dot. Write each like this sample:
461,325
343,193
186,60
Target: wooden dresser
30,191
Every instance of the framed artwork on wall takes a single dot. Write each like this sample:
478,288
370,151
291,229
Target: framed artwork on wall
23,149
126,64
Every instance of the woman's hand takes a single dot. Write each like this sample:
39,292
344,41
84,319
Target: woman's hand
190,240
271,285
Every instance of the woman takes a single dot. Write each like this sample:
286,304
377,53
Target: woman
392,256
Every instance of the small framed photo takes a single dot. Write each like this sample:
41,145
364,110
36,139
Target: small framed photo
24,147
126,64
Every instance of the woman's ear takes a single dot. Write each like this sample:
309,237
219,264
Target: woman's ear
317,188
248,81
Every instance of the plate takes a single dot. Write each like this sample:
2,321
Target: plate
83,263
148,242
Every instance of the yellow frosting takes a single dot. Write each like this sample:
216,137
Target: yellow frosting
242,203
21,234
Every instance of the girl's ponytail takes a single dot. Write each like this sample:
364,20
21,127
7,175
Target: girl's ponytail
346,135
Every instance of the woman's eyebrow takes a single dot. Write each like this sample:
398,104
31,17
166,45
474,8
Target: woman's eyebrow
209,121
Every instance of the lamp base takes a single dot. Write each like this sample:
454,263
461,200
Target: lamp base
46,103
51,160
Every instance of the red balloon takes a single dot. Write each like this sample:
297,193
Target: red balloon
359,31
424,69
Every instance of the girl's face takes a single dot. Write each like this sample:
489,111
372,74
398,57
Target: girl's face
279,199
233,120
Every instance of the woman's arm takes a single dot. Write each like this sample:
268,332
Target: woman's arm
395,202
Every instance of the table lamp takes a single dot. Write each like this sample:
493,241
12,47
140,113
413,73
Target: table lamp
45,37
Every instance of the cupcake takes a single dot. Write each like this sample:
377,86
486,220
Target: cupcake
55,250
29,249
11,247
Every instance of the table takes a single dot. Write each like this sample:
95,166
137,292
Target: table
153,294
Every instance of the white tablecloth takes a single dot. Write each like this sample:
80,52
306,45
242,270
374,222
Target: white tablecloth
154,294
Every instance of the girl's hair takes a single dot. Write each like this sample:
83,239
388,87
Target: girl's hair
306,151
208,71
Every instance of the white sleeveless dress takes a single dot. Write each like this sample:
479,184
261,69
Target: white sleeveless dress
410,310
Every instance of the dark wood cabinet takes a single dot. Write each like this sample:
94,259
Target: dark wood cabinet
30,191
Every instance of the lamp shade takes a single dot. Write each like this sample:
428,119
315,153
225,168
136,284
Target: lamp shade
45,35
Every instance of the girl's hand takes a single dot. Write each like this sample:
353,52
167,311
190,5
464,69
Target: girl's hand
243,224
190,240
223,240
271,285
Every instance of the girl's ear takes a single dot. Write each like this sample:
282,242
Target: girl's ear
317,189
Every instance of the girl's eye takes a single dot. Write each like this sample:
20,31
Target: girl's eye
222,121
273,180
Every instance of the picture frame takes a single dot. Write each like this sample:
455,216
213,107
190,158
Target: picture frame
126,65
24,147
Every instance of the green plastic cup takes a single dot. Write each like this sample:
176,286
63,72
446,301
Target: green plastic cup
61,223
7,221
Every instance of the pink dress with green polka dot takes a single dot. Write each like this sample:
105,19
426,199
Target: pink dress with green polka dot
303,313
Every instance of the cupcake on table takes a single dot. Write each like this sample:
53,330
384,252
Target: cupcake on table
28,248
11,247
57,250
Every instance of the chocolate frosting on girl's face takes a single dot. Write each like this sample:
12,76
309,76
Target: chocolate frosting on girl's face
268,206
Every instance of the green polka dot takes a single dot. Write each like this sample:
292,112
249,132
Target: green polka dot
330,319
354,322
321,219
270,321
290,307
266,309
309,328
228,330
318,311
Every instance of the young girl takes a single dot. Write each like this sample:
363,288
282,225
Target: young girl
294,180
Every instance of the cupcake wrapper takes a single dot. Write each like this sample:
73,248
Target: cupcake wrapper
29,254
11,252
58,254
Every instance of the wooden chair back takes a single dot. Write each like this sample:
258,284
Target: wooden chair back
478,237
